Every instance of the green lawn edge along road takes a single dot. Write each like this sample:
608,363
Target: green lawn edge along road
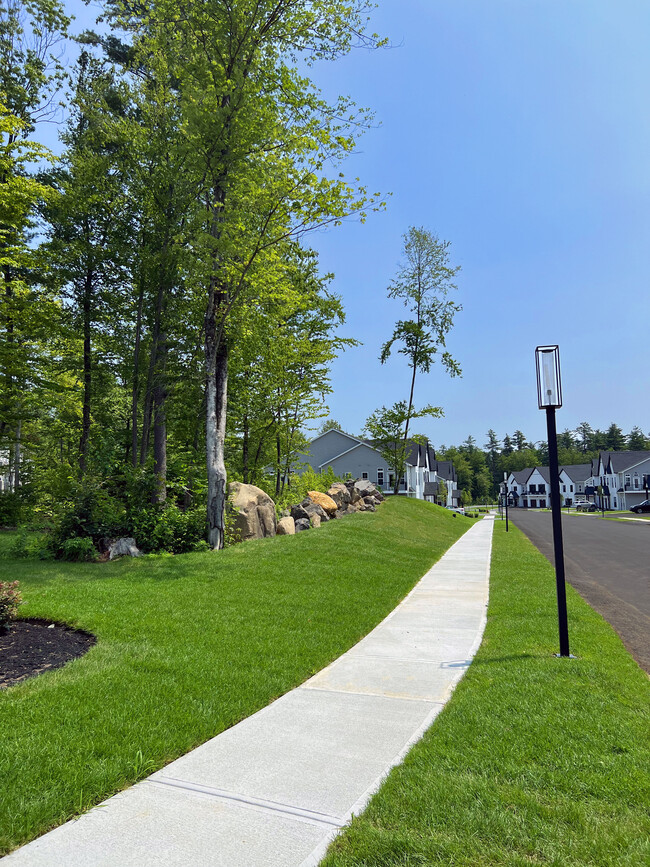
190,645
535,760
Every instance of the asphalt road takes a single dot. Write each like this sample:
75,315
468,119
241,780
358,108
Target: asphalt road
608,563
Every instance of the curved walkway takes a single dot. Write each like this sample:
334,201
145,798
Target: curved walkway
275,789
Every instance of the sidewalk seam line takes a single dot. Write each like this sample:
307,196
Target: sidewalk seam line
248,801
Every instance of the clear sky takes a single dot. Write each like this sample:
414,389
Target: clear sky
519,130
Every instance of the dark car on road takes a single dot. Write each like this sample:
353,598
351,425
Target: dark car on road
642,507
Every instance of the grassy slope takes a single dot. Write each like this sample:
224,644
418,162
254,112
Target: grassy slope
535,760
190,645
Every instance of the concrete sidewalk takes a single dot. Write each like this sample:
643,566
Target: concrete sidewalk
275,789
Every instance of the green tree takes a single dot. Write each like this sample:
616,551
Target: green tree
423,284
260,142
584,432
614,438
329,424
636,440
386,428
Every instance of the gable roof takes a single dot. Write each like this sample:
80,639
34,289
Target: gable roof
335,430
577,472
521,476
621,461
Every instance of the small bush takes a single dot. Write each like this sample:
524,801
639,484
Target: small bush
10,599
11,505
176,531
31,547
79,550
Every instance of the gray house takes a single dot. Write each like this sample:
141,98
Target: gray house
355,457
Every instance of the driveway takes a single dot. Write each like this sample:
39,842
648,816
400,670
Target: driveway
608,563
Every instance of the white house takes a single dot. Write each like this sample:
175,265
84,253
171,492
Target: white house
622,477
355,457
531,488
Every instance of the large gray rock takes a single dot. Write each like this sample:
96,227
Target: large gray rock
313,509
367,489
355,495
124,547
286,526
302,524
253,511
298,511
314,520
340,494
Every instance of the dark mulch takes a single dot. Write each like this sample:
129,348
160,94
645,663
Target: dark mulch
34,646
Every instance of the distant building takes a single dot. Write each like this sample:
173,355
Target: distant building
357,458
619,480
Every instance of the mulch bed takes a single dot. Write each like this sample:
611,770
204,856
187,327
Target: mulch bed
34,646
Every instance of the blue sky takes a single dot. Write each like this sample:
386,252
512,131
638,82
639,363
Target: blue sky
519,130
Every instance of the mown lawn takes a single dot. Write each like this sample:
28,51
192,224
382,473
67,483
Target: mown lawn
188,646
535,760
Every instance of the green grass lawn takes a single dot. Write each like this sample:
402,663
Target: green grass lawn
535,760
188,646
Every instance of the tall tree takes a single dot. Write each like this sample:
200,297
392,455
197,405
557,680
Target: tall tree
636,440
423,284
261,141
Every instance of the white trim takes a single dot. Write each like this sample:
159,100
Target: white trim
335,430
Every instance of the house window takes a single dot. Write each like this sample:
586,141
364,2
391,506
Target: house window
533,490
636,480
571,488
364,475
380,477
541,489
564,489
402,482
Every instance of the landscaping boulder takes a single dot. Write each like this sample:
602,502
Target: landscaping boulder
124,547
253,509
367,489
370,501
314,520
314,509
286,526
298,511
355,494
302,524
340,494
323,500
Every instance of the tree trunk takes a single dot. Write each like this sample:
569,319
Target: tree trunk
85,423
16,462
135,393
278,472
216,352
160,421
245,450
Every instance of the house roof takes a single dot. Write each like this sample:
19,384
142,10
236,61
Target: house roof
544,472
577,472
445,469
621,461
521,476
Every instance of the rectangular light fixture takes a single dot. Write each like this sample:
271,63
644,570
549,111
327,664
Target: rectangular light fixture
549,385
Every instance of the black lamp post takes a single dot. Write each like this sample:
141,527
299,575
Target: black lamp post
505,495
549,397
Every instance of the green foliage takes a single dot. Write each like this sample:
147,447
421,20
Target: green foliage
92,514
10,599
176,531
78,550
298,486
31,546
11,508
388,427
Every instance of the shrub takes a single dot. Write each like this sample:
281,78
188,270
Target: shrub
10,599
78,550
93,514
32,547
10,509
177,531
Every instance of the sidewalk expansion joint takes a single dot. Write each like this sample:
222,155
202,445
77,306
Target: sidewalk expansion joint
309,816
